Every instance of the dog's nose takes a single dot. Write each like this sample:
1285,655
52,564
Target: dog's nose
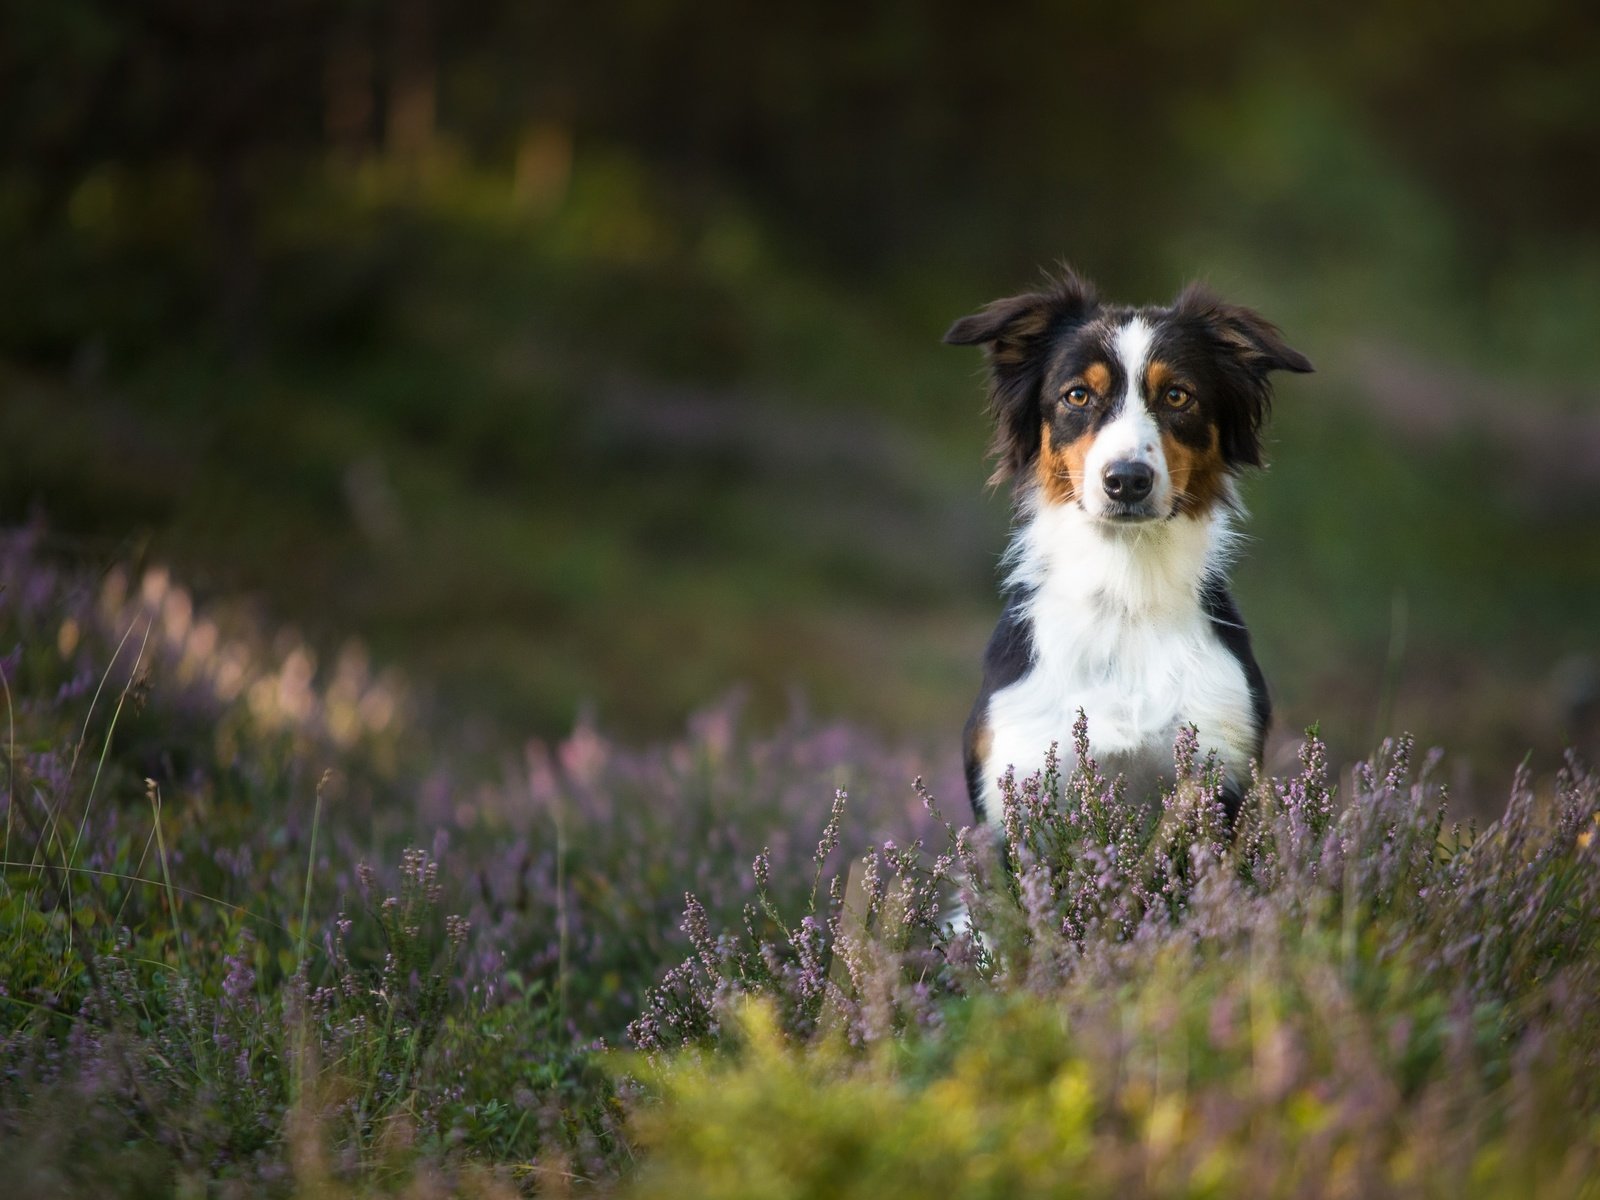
1128,481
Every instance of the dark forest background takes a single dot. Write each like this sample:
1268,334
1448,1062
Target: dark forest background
589,355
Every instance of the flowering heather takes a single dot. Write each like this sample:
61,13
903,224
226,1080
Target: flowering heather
1345,998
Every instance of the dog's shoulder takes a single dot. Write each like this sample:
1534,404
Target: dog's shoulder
1010,650
1227,623
1006,659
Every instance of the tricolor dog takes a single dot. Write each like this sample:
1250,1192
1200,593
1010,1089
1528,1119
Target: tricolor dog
1124,430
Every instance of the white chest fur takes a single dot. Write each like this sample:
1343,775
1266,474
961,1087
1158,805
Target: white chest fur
1119,631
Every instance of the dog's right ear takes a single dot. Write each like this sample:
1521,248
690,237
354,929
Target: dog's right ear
1016,334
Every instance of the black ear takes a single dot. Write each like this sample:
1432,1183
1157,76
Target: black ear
1016,334
1255,341
1249,348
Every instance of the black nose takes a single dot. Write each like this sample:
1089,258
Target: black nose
1127,481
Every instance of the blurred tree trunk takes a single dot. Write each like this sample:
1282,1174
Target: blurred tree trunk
233,215
413,83
349,88
543,167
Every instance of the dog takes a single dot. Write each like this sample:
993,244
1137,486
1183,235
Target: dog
1125,431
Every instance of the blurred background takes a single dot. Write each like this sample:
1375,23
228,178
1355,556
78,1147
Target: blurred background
586,357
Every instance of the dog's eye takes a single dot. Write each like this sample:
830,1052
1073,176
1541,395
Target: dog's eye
1077,396
1177,397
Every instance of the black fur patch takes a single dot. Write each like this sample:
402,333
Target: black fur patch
1006,660
1228,625
1220,609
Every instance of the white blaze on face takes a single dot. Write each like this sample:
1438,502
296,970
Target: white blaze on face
1132,434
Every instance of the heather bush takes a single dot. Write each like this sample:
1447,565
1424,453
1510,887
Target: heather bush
1345,999
599,843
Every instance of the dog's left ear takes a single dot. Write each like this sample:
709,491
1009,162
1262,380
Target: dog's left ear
1255,342
1016,334
1253,347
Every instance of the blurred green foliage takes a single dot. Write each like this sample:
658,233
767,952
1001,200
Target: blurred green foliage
590,354
1015,1099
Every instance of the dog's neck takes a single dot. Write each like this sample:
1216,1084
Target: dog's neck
1062,558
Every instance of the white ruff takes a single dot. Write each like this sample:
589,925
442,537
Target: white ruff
1118,631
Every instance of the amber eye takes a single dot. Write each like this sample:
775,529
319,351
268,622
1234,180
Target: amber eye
1076,396
1177,397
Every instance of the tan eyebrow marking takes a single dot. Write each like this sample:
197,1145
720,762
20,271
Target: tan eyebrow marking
1158,377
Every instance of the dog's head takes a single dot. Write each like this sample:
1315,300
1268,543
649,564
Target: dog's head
1130,414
